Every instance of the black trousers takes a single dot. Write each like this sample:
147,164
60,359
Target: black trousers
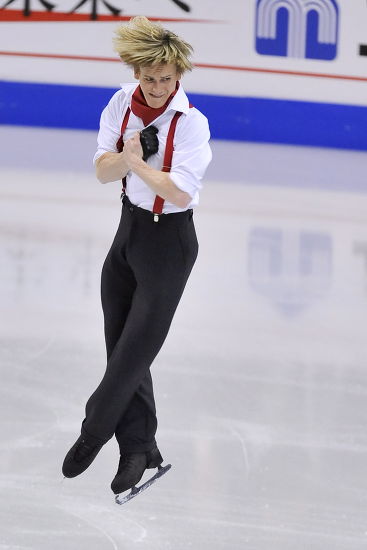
143,278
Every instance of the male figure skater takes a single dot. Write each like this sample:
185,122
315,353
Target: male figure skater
152,138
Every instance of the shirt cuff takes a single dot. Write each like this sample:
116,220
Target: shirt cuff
98,154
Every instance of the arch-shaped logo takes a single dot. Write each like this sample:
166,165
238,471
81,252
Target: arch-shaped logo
297,28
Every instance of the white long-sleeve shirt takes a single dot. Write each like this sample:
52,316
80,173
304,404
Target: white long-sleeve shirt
191,155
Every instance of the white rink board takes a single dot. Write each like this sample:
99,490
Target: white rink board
225,38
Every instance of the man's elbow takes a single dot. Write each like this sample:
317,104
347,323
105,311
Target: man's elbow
183,200
100,177
100,172
179,197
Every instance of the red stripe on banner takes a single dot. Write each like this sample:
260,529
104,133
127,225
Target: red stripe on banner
199,65
18,15
61,56
280,71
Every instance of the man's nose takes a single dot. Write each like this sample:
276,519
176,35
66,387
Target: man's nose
156,87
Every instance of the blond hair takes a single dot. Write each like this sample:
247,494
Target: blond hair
142,43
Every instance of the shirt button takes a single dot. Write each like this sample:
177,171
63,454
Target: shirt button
131,209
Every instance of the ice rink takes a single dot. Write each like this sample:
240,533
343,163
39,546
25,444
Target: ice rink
261,386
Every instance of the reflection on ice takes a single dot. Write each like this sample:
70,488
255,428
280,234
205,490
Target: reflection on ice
38,268
291,268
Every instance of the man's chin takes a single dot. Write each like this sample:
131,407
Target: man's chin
156,102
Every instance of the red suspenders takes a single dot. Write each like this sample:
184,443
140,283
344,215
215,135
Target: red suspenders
120,141
167,161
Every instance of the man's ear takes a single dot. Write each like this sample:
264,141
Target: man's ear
136,73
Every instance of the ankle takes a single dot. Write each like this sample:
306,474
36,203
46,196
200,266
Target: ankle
154,458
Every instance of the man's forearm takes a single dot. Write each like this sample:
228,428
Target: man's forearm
111,167
160,183
114,166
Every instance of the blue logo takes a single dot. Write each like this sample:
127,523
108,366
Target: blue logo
297,28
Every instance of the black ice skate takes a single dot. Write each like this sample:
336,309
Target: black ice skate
81,455
130,471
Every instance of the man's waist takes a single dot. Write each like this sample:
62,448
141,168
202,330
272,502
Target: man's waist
147,213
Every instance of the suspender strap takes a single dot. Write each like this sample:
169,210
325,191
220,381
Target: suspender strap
120,143
167,162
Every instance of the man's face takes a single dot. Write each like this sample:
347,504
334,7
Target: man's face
157,83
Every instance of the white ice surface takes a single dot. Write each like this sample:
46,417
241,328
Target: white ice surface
261,385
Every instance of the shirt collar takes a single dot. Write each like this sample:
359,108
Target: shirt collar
179,101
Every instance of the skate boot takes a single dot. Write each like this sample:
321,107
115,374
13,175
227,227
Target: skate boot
81,455
132,467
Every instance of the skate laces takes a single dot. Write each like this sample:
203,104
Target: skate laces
84,450
130,461
127,462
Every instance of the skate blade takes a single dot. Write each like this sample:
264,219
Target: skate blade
135,491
